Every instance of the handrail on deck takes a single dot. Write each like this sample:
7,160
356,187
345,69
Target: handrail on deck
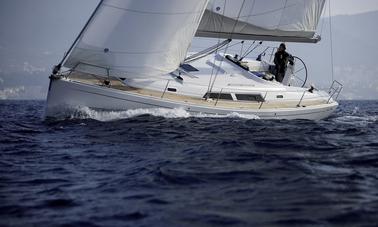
165,89
334,92
335,89
264,99
262,102
219,94
300,101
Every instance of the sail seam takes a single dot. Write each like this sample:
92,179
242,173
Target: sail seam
155,13
122,52
267,12
111,66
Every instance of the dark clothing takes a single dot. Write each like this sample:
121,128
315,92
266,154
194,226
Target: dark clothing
280,76
280,60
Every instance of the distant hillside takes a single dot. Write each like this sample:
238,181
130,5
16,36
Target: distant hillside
38,33
33,37
355,48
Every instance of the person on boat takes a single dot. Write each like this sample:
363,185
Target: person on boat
281,58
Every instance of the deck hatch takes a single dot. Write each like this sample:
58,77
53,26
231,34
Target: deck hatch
188,68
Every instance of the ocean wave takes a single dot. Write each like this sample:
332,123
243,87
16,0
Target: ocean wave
353,119
187,170
101,115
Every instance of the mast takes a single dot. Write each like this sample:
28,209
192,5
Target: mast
58,66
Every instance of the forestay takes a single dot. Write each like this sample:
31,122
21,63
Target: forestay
137,38
273,20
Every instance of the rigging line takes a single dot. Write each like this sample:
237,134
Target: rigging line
249,48
80,34
254,48
250,12
241,48
323,20
330,36
231,45
232,31
219,35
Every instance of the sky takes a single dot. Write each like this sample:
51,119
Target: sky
34,34
342,7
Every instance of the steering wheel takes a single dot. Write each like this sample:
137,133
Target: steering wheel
299,74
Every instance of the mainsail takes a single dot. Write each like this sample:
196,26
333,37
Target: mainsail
136,38
272,20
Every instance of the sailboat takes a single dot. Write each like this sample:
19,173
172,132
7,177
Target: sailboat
133,54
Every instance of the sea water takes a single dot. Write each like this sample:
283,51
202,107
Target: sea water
158,167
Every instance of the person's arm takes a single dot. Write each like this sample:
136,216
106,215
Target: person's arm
286,58
291,59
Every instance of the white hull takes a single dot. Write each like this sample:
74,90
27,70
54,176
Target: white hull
66,93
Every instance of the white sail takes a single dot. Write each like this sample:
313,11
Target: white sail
273,20
137,38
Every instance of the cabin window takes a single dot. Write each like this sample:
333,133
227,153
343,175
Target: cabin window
249,97
279,96
172,89
226,96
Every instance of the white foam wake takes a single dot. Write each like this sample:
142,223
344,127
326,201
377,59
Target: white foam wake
88,113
